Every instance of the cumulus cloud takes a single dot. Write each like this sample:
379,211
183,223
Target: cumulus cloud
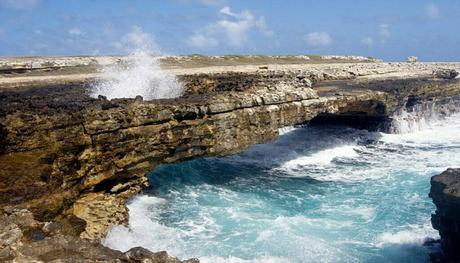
368,41
19,4
232,27
318,39
432,11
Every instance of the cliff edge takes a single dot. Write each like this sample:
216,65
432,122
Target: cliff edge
445,192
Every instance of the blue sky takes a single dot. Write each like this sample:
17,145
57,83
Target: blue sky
388,29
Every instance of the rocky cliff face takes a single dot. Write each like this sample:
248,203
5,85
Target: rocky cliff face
445,192
75,160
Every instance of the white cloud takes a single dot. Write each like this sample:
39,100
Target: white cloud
19,4
76,32
202,41
262,26
318,39
432,11
368,41
232,28
227,11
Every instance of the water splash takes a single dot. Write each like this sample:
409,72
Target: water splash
140,74
418,119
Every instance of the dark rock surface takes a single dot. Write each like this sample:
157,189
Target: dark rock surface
445,192
445,73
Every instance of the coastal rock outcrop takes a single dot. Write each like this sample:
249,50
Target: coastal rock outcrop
74,160
445,192
24,239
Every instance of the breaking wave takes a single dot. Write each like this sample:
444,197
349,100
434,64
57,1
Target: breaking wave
139,74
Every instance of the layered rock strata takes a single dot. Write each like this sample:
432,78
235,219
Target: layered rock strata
445,192
75,160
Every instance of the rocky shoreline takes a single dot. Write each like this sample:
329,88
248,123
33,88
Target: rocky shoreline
445,192
70,162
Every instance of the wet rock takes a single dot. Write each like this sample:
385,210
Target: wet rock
445,192
139,254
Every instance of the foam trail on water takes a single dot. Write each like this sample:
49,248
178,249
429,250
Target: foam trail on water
324,157
140,74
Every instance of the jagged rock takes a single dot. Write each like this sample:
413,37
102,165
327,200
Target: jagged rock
445,192
139,254
23,239
445,73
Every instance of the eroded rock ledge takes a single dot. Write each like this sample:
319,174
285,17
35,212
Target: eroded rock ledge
24,239
75,160
445,192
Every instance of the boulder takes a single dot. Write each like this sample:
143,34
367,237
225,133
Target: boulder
445,192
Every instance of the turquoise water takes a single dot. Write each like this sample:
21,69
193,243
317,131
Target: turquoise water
316,194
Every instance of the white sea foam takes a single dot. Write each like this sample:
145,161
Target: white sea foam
140,74
286,130
412,235
324,157
143,215
436,132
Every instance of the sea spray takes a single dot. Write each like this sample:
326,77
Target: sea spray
139,74
416,119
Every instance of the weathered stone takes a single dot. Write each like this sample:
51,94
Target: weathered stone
445,192
23,239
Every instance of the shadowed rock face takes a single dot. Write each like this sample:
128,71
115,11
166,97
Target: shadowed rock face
445,192
76,160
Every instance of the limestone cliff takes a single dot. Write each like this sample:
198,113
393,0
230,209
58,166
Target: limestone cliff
76,160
